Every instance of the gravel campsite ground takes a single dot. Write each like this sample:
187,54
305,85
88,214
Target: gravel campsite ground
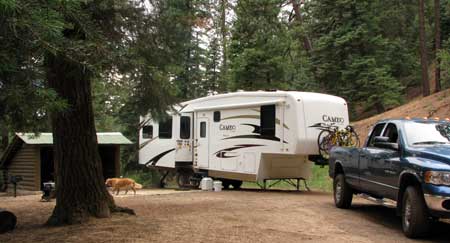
228,216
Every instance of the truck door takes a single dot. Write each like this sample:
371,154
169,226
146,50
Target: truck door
367,163
202,142
389,161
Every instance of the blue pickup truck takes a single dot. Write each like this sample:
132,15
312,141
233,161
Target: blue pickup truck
403,161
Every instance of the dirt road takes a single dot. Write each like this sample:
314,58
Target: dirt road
230,216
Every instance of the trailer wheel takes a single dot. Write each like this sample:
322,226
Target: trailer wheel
236,184
343,193
324,143
415,219
226,184
183,179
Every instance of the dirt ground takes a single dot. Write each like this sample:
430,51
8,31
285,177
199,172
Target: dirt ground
228,216
435,105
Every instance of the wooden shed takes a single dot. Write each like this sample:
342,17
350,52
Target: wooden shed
31,157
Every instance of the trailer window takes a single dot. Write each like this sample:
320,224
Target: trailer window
267,121
216,116
202,129
185,127
147,132
165,129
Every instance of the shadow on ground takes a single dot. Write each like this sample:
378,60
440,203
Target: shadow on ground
387,217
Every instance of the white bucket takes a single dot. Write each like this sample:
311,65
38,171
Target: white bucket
206,184
217,186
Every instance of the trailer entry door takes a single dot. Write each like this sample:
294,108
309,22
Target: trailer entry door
203,142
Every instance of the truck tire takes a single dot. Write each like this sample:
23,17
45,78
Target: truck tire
415,219
343,193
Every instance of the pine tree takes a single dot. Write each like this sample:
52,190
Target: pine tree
437,44
423,50
213,81
352,56
257,46
69,44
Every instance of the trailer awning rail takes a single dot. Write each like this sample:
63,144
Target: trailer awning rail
242,105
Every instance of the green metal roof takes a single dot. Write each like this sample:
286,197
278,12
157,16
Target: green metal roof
47,138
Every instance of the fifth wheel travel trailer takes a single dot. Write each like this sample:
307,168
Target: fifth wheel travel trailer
242,136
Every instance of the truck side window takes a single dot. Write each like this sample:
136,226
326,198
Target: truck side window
267,121
216,116
165,129
185,127
391,132
147,132
376,132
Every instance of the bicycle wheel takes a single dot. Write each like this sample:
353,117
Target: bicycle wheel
324,141
354,139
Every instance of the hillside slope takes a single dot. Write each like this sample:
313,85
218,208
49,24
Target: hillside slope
436,105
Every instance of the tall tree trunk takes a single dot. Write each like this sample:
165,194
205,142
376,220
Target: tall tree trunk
4,139
423,50
80,188
224,31
306,41
437,44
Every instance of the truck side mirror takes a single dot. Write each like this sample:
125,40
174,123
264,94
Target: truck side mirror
381,139
383,142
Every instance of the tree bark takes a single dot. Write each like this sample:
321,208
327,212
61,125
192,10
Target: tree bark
223,30
423,50
437,44
80,188
306,41
4,139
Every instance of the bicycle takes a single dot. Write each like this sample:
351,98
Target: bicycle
331,136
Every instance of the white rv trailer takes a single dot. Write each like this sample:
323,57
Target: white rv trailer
242,136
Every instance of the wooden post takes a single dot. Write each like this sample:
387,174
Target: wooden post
117,161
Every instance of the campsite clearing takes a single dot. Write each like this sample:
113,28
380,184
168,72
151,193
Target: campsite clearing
228,216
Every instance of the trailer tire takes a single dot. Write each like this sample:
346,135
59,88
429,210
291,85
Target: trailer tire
183,179
416,221
226,184
236,184
342,192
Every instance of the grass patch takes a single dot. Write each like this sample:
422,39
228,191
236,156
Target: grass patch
320,181
146,178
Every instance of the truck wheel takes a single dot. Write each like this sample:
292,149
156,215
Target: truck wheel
343,193
415,219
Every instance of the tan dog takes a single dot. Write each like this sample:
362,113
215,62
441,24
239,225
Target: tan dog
123,183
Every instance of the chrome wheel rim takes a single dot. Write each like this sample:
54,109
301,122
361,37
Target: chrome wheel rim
407,213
